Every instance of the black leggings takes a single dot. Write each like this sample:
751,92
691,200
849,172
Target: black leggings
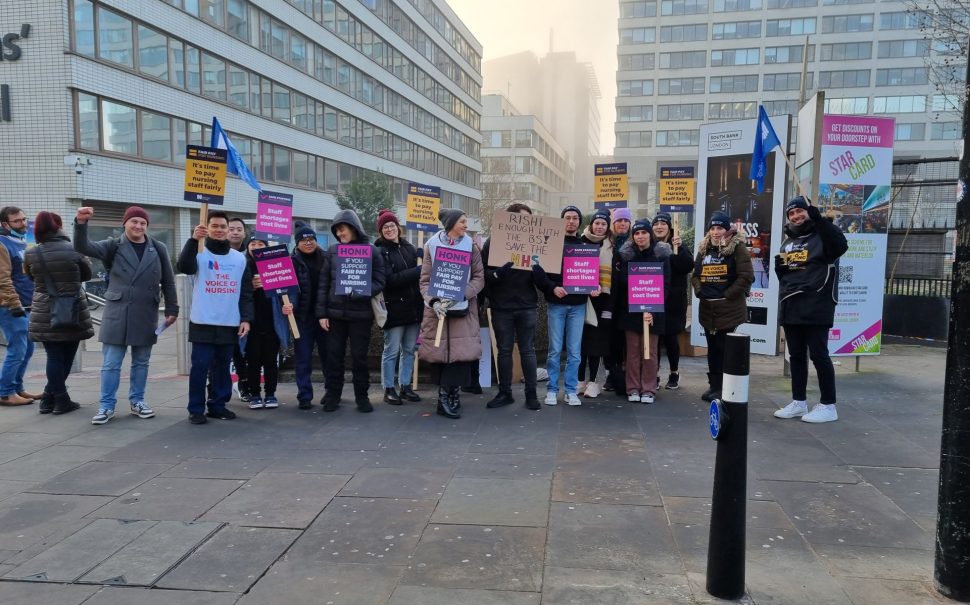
804,342
60,358
716,342
670,342
261,354
591,361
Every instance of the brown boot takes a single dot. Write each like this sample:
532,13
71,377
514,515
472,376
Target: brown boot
14,399
27,395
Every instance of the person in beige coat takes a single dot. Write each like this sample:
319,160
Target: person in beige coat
461,345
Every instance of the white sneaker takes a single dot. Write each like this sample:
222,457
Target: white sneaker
633,397
821,413
552,398
573,399
646,398
592,390
793,410
581,387
103,416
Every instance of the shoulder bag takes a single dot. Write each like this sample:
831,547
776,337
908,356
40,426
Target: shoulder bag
65,309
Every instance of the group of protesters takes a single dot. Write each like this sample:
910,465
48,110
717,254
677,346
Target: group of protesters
608,347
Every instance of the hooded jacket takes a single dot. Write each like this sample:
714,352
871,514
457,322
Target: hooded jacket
401,292
724,305
657,252
808,272
348,307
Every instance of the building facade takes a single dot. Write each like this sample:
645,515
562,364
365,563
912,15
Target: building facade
106,94
682,63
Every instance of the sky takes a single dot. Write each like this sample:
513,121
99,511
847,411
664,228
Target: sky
505,27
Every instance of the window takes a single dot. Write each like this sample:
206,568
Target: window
681,86
239,87
676,113
634,139
910,132
847,106
193,70
791,3
736,6
738,56
780,108
789,27
213,77
846,51
152,53
638,35
634,113
281,164
744,83
788,54
636,62
156,133
238,19
635,88
845,2
683,7
900,104
945,103
115,42
84,27
684,59
840,24
736,30
736,110
683,33
896,49
901,76
119,131
213,11
900,20
523,138
848,78
631,10
88,128
677,138
281,103
176,59
945,131
789,81
298,52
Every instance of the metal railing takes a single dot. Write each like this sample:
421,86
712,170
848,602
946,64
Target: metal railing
919,286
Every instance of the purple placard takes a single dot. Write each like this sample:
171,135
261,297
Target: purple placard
274,216
275,268
450,271
646,287
580,268
354,270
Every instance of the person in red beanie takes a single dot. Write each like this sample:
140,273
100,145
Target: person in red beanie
138,273
57,269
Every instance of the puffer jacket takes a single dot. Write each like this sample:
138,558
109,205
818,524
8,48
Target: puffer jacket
401,292
69,270
461,336
731,310
306,301
658,252
347,307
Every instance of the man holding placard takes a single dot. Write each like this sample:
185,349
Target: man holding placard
307,264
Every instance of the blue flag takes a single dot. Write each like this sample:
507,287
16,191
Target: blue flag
235,164
765,140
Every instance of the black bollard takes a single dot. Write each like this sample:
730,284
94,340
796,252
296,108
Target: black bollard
725,549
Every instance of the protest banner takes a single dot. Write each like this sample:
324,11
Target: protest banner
611,185
646,294
677,189
526,240
354,270
423,205
205,175
580,268
274,217
275,269
450,271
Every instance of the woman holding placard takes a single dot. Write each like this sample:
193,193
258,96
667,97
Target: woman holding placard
681,265
598,330
722,276
267,332
640,251
452,275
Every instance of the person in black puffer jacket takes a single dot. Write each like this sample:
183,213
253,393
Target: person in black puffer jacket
405,308
307,263
347,315
54,259
675,299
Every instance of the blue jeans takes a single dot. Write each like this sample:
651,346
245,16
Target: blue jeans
114,356
19,351
204,356
399,342
311,335
565,324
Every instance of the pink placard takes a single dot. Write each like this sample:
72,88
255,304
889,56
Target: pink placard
274,216
580,268
646,287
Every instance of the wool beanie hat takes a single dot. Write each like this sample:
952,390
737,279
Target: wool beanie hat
642,224
664,217
719,219
304,230
571,208
622,214
134,212
384,217
603,215
449,217
796,202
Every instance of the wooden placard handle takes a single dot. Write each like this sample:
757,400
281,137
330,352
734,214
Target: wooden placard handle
203,219
646,337
437,335
293,328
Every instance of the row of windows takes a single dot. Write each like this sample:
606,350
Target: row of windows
109,36
277,39
109,126
516,192
663,138
437,19
525,165
630,10
525,139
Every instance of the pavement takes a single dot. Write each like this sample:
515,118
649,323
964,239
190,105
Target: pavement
607,503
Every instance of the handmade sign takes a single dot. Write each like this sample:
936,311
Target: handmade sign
354,270
526,240
580,268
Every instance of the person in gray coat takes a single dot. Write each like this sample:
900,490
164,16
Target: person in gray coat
139,275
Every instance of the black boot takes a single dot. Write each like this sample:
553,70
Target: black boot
474,389
408,393
532,400
391,396
714,390
63,404
502,398
46,403
446,405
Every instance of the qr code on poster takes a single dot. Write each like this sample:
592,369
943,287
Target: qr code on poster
845,275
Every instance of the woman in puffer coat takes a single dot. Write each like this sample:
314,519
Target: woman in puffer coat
461,344
54,259
722,277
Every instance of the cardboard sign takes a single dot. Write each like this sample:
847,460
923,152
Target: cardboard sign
581,268
677,187
450,271
354,270
423,205
205,175
611,186
646,287
275,268
526,240
274,216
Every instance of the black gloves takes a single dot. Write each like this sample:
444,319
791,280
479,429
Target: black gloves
539,272
814,214
18,312
780,265
503,271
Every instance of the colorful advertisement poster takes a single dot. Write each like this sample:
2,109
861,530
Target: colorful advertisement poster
854,189
205,175
423,205
354,270
677,189
646,287
580,268
611,185
526,240
274,216
275,268
450,270
723,183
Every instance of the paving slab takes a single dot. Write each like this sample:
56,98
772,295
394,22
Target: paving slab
331,462
506,466
571,586
293,582
429,595
912,489
101,478
879,592
416,451
170,499
151,554
112,435
512,502
278,500
380,531
697,511
417,484
12,488
907,564
29,593
217,468
126,595
49,462
28,518
804,460
232,560
521,438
